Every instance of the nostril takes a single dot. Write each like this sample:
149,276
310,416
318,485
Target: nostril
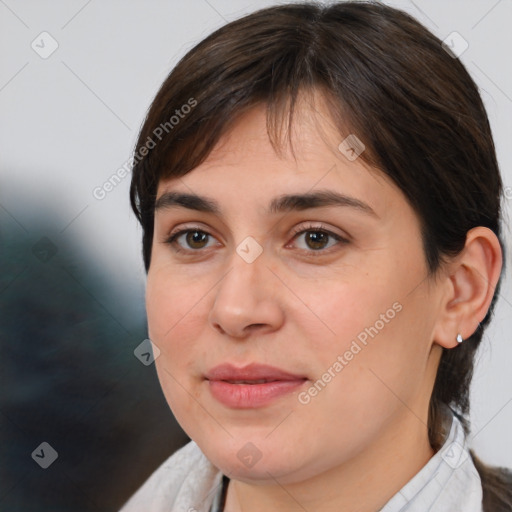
219,328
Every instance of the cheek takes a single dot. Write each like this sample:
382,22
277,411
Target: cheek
176,317
169,300
369,330
345,309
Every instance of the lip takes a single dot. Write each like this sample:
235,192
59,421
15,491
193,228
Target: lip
253,371
225,386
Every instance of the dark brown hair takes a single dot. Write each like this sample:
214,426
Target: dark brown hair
388,80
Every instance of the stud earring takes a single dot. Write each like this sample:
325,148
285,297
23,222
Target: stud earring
459,338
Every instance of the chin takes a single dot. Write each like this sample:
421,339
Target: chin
257,463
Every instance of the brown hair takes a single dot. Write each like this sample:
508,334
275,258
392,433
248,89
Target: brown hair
389,81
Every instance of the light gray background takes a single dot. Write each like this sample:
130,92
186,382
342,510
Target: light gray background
70,121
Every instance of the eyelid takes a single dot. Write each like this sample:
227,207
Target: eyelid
318,226
313,254
171,239
192,227
297,230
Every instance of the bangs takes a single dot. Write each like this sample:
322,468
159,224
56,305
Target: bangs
372,66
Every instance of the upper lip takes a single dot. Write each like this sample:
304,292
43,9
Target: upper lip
253,371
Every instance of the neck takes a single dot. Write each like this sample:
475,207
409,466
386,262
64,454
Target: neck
363,484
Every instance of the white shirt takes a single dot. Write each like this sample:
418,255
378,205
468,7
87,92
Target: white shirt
189,482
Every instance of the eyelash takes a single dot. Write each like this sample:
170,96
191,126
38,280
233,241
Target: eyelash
318,228
172,239
173,236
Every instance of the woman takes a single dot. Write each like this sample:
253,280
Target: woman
320,203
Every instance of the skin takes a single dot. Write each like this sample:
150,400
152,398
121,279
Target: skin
298,308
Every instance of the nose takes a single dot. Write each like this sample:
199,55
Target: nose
246,300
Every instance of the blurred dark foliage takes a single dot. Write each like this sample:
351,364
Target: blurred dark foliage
69,377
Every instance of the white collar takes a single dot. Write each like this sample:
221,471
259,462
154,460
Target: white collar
189,482
449,481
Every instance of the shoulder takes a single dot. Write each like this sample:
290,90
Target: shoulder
496,486
497,489
184,478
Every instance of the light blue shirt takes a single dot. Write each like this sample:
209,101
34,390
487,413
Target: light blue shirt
189,482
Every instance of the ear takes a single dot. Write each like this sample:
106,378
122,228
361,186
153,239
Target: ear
468,287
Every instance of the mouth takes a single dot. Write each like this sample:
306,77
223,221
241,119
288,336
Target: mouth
251,386
259,381
251,373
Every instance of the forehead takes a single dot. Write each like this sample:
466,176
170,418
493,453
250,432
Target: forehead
244,166
311,131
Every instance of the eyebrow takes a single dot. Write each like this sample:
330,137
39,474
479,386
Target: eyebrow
190,201
280,204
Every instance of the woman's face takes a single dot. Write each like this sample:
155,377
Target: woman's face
330,290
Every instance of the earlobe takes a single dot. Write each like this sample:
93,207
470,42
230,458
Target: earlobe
469,288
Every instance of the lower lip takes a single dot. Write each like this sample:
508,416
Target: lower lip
246,396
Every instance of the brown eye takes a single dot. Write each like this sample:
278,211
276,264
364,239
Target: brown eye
190,240
316,239
196,239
